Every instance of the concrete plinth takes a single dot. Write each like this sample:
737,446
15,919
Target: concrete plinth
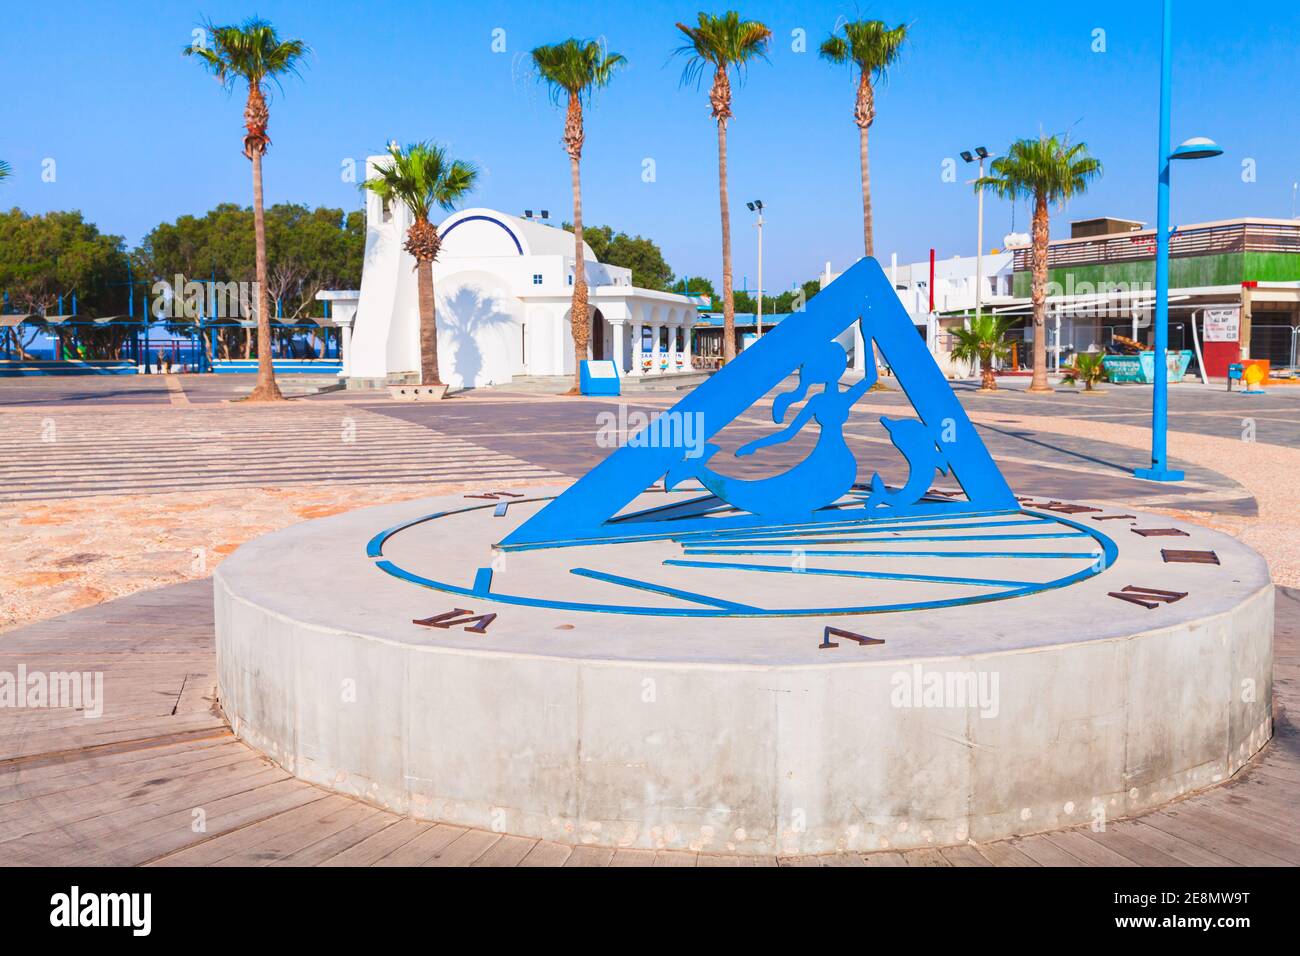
736,734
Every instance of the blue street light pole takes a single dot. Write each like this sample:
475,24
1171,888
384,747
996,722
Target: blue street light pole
1198,148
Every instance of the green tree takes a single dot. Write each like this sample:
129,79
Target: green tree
59,253
643,256
572,69
253,52
871,47
55,254
308,250
5,170
420,177
723,44
984,341
1045,170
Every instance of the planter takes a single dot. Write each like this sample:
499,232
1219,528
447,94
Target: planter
417,393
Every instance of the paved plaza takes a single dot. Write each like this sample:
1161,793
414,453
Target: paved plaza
121,496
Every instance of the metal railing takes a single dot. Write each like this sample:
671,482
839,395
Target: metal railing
1137,246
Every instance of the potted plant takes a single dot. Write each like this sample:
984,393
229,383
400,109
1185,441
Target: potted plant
1087,367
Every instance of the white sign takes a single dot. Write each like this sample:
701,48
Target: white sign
601,369
1222,325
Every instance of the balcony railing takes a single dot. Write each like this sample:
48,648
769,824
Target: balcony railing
1194,241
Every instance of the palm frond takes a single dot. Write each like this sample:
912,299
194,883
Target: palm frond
421,176
251,51
1046,166
575,67
871,45
723,42
985,339
5,170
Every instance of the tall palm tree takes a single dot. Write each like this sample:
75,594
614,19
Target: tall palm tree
872,47
1047,169
421,176
573,69
253,51
5,170
722,44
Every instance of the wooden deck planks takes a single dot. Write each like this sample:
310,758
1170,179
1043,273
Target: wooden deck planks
123,789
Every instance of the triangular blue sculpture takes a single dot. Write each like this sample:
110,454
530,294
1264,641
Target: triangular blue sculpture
822,487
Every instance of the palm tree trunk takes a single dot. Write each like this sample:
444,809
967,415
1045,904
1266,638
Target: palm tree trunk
989,381
579,319
428,323
868,239
728,299
266,389
863,115
1039,295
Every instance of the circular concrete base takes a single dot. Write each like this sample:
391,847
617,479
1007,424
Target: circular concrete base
738,734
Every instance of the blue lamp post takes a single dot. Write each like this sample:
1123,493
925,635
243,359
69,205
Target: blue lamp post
1197,148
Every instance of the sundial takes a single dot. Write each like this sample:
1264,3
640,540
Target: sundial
809,541
668,653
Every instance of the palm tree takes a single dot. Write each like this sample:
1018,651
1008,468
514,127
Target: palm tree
723,43
1047,169
573,69
872,47
420,177
982,342
5,170
254,52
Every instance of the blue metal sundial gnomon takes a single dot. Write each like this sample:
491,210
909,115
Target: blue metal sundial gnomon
940,438
811,541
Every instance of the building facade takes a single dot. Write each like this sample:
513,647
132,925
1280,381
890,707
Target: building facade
503,287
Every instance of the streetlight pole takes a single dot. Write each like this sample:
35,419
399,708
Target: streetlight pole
757,206
1198,148
983,154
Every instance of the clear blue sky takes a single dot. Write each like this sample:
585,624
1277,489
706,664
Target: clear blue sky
141,135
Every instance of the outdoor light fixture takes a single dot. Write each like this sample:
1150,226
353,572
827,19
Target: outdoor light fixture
981,154
528,214
757,206
1198,147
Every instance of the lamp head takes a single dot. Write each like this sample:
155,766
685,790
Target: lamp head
967,156
750,205
1198,147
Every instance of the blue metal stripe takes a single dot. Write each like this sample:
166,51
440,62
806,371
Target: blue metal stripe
483,581
865,527
788,552
837,521
375,546
836,573
926,537
510,232
661,589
